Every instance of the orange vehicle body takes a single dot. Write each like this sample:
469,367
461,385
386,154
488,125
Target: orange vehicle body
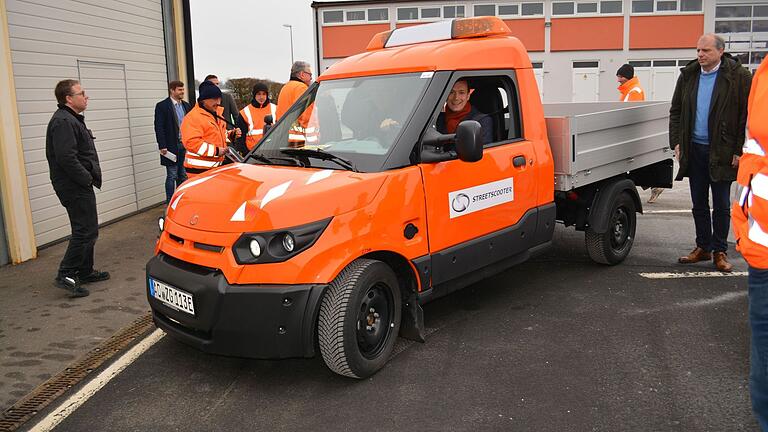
368,211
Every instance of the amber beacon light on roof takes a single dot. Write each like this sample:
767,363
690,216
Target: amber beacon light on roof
444,30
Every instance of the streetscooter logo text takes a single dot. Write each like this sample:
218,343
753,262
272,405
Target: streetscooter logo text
481,197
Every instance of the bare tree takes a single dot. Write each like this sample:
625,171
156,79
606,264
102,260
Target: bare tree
242,89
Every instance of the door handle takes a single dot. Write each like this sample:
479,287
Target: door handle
518,161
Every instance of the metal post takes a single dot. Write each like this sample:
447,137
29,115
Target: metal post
290,30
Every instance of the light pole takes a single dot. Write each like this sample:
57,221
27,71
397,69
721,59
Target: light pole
290,29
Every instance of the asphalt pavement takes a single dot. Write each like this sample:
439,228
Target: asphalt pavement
557,343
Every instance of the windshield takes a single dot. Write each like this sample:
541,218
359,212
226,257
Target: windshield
348,123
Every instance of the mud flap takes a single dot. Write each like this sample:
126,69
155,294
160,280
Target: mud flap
412,322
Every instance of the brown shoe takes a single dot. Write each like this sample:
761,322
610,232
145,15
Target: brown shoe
695,256
721,262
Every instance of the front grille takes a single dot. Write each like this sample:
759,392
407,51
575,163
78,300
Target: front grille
183,265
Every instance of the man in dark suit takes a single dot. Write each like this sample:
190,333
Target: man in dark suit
75,171
169,113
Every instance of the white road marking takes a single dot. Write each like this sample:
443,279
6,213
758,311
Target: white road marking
703,274
666,211
76,400
722,298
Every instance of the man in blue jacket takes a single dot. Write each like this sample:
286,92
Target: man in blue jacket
169,113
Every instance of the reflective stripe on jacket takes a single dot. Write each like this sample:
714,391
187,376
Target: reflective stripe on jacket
631,91
750,212
202,135
255,119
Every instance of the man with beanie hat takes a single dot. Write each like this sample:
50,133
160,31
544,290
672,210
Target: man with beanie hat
629,85
204,131
252,118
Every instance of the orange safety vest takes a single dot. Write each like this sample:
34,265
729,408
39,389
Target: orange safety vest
202,135
631,91
255,119
750,212
300,132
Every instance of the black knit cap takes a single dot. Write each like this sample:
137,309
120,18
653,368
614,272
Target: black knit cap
208,90
260,87
627,71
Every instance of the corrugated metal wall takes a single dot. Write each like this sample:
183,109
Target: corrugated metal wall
117,50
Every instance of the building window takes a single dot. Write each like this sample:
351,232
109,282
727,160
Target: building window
379,14
743,26
532,9
333,17
733,12
642,6
453,11
585,64
509,10
639,63
733,26
408,14
586,8
690,6
611,7
562,8
666,5
537,65
430,13
485,10
355,15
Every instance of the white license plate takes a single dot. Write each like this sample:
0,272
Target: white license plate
172,297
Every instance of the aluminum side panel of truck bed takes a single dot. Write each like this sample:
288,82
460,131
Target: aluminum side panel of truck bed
598,140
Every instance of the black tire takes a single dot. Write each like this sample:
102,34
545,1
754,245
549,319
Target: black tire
612,246
360,319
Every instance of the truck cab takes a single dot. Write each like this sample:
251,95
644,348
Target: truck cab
355,209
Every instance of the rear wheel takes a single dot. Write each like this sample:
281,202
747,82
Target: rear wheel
612,246
359,319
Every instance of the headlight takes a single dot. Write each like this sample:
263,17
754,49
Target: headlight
161,223
278,245
255,248
288,243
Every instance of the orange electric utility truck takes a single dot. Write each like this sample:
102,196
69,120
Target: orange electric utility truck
332,245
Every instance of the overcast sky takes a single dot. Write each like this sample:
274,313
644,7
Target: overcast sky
246,38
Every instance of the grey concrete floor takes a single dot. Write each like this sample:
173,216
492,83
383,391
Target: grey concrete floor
42,330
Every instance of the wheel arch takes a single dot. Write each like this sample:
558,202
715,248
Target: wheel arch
599,214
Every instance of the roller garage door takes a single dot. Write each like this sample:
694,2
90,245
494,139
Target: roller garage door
117,49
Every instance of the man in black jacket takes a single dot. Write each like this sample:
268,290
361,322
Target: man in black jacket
707,119
75,171
169,114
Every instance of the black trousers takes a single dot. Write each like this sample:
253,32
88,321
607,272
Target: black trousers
81,208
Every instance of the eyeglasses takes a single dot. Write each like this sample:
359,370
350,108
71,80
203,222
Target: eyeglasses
308,73
82,93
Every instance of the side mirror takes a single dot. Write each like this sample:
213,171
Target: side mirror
469,141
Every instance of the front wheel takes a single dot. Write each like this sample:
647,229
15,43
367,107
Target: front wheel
612,246
359,319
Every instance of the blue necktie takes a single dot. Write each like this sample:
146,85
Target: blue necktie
179,115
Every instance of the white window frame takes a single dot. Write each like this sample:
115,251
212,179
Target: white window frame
455,10
601,13
676,11
367,15
543,7
495,8
554,15
595,13
519,10
397,14
430,19
343,16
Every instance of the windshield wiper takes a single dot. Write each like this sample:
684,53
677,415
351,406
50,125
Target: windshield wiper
271,160
320,154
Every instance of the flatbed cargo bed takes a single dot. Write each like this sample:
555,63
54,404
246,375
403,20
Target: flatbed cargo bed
594,141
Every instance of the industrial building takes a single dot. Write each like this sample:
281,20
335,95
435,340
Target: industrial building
124,53
575,46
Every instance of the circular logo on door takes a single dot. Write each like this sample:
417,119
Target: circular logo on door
194,220
460,203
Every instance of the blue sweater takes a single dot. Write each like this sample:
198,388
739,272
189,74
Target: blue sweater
703,101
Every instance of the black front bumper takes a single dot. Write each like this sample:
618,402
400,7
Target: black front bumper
257,321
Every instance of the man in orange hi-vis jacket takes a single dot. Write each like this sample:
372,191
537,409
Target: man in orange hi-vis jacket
750,223
204,131
302,130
